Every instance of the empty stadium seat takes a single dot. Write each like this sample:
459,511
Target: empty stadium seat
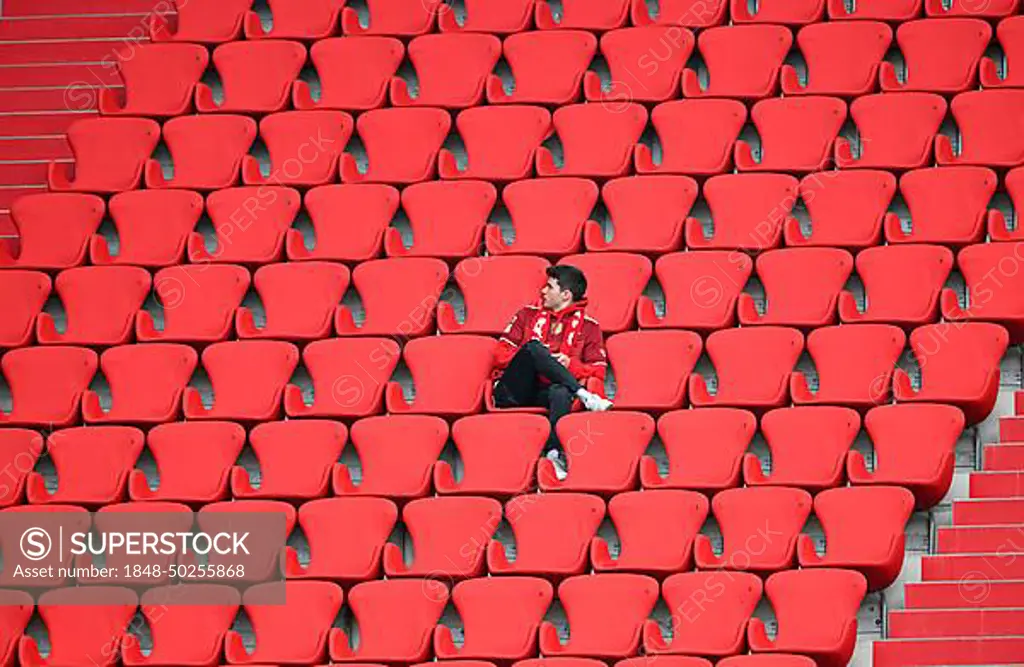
547,66
987,136
875,10
701,290
110,154
46,384
993,292
947,205
652,367
606,613
304,147
603,451
438,83
683,13
99,305
656,530
582,14
808,447
121,518
448,535
778,11
1008,34
793,299
22,296
748,212
895,131
306,19
817,614
146,383
447,219
299,300
597,139
552,534
346,537
500,141
701,624
902,284
80,624
647,214
198,302
248,379
998,227
696,137
53,230
401,145
449,373
405,18
493,289
500,618
914,448
741,61
692,464
206,151
841,58
498,454
487,16
55,518
20,448
283,475
399,296
256,76
262,562
250,222
548,216
159,80
354,73
940,56
92,465
349,222
193,461
615,282
348,377
796,134
959,364
855,364
291,622
204,21
625,49
396,455
152,226
767,659
189,632
994,9
753,367
396,621
863,531
846,208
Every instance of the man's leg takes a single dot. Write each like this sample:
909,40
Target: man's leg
518,385
558,400
547,366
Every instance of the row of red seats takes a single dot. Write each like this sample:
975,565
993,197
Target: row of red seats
404,145
811,448
400,621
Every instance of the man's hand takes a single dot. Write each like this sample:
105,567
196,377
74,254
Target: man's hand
563,359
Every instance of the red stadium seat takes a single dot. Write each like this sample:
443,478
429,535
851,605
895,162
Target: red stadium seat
682,13
440,84
204,21
702,624
582,14
22,296
701,289
159,80
847,208
189,632
257,76
500,617
349,222
498,451
603,452
46,384
987,135
206,150
404,18
305,19
625,49
396,621
193,461
647,214
348,377
110,154
914,448
817,615
354,73
652,367
264,563
293,632
92,465
121,518
248,379
778,11
692,464
346,537
447,219
55,518
855,364
146,383
615,281
696,136
304,148
606,613
796,134
598,140
552,532
153,227
767,659
941,56
748,212
81,624
399,296
792,299
994,9
808,445
947,205
198,301
448,535
488,16
494,289
742,61
656,529
20,448
993,293
401,145
742,515
902,283
959,365
842,58
998,229
449,373
753,367
895,131
100,305
250,223
396,455
875,10
53,230
863,531
1009,35
548,67
548,215
501,142
299,299
284,475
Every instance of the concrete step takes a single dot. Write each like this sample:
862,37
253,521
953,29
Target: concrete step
1002,651
997,484
973,567
988,512
981,539
1004,457
975,591
939,623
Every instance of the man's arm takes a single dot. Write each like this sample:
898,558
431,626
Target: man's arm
593,361
511,339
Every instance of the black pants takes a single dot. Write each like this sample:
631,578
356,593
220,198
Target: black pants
520,385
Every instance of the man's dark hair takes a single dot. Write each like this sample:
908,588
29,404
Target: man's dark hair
570,278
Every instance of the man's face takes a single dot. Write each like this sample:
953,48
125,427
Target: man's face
553,296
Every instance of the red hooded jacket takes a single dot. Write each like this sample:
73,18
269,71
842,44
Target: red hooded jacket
587,356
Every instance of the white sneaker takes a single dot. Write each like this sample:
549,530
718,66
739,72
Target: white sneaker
556,460
593,402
